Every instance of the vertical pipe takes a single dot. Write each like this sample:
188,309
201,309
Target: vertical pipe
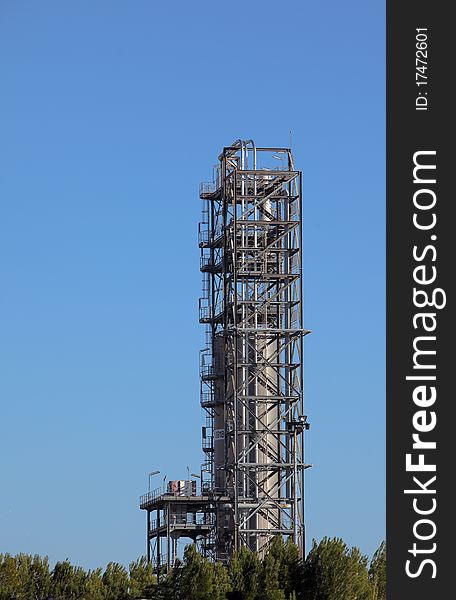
158,541
148,533
168,539
301,325
295,486
235,375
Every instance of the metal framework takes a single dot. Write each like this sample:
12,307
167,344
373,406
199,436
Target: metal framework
172,516
252,366
251,369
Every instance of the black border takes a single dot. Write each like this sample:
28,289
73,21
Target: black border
409,131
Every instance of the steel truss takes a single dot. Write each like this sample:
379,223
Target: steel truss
171,517
252,366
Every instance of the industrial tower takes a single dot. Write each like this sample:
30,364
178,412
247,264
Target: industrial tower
251,369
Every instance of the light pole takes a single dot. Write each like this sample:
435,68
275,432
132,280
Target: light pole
151,474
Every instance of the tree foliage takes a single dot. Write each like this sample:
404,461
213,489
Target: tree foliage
116,583
195,578
244,574
142,579
377,573
332,571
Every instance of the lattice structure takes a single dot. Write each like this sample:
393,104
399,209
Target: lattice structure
172,516
252,364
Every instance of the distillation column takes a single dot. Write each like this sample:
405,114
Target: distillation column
256,352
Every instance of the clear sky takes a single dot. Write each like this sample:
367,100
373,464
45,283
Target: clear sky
111,113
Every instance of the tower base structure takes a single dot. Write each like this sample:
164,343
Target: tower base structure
251,369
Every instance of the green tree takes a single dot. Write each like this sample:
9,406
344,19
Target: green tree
39,578
377,573
142,579
221,582
116,583
23,562
94,587
197,576
170,583
269,579
286,555
332,571
9,577
67,581
194,578
244,570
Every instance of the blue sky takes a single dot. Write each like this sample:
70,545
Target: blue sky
111,113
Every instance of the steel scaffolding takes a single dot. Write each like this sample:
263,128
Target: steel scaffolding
250,238
171,516
251,368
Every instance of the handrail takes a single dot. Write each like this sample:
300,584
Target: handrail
150,496
207,187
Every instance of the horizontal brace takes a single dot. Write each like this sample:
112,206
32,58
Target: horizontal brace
265,249
229,151
267,302
269,466
242,222
268,364
265,275
262,431
287,172
269,398
241,330
271,531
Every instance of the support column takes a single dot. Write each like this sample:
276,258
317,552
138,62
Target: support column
147,536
